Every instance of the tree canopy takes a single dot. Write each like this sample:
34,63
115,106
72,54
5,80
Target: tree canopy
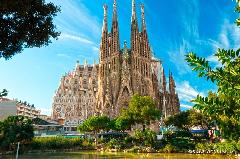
25,24
122,123
16,129
223,106
141,110
4,93
188,119
95,124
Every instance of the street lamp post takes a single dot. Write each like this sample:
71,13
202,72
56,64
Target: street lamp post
164,106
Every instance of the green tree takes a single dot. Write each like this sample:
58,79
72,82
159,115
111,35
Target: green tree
223,106
141,110
147,137
187,119
3,93
25,24
179,120
122,123
84,127
94,125
16,129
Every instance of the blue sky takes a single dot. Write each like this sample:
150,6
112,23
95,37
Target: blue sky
175,27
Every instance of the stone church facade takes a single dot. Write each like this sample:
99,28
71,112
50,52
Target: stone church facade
107,87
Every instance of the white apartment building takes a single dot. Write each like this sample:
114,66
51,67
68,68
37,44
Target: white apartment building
10,107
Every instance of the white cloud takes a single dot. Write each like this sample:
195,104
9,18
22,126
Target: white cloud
177,57
190,23
214,60
76,38
186,106
229,35
228,38
78,24
64,55
78,17
186,92
190,36
90,44
95,50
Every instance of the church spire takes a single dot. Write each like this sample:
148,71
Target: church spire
134,17
143,17
104,38
115,10
134,31
105,7
146,51
85,62
171,84
77,65
163,82
115,44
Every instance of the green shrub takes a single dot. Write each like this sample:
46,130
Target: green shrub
204,146
225,147
147,137
113,143
169,135
128,140
49,143
135,149
238,145
183,144
181,140
3,144
169,148
200,146
102,140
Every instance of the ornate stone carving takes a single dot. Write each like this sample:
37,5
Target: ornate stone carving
107,87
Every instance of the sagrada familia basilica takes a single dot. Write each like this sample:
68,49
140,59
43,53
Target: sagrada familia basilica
106,87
